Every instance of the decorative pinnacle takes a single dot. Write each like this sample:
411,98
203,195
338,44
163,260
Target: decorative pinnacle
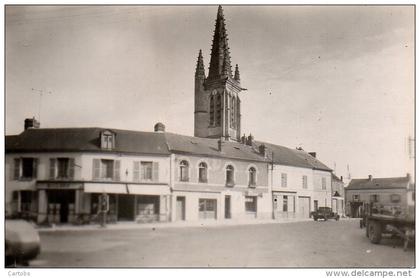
237,76
199,70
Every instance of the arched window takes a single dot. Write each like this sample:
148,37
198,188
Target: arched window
232,112
212,110
230,175
183,170
219,110
202,172
252,177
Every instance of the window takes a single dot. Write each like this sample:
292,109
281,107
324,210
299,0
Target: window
305,182
212,110
315,205
62,168
202,172
219,110
252,177
251,204
374,198
106,169
230,171
107,140
25,168
232,111
324,183
183,170
285,203
146,170
207,208
396,198
356,198
283,180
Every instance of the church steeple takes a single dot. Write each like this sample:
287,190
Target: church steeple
217,112
199,70
220,65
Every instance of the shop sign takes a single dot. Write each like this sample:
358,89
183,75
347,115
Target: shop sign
61,185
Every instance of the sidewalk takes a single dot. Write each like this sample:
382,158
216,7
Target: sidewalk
134,225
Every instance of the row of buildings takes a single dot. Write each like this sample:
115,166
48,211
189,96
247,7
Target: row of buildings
56,175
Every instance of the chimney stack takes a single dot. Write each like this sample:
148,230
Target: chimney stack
243,139
159,127
263,150
312,154
370,177
249,140
32,123
341,178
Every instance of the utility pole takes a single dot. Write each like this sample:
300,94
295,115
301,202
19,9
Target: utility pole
41,93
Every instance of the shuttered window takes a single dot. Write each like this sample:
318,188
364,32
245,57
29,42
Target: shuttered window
25,168
106,169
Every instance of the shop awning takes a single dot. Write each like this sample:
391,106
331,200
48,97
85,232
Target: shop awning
141,189
105,188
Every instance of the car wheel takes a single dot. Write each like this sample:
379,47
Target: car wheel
315,219
375,232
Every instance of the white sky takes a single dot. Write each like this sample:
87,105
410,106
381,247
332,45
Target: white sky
335,80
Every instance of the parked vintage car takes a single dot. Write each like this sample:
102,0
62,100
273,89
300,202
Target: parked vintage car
324,213
22,242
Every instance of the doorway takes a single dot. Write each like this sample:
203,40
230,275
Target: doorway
180,208
227,207
126,207
61,205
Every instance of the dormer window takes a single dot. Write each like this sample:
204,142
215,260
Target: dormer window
107,140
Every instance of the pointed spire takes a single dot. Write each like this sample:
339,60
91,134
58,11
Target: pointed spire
237,76
199,70
220,65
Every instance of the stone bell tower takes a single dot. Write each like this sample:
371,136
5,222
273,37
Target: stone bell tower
217,103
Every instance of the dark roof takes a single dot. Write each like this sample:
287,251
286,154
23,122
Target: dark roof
85,139
209,147
164,143
292,157
378,183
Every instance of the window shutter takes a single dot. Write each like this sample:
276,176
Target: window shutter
96,168
117,164
155,171
136,171
16,169
35,168
52,168
71,168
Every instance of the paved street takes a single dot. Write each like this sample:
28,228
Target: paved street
310,244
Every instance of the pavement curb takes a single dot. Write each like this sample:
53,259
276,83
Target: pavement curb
143,226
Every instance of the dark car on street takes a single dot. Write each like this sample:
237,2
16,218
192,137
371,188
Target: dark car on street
22,242
324,213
